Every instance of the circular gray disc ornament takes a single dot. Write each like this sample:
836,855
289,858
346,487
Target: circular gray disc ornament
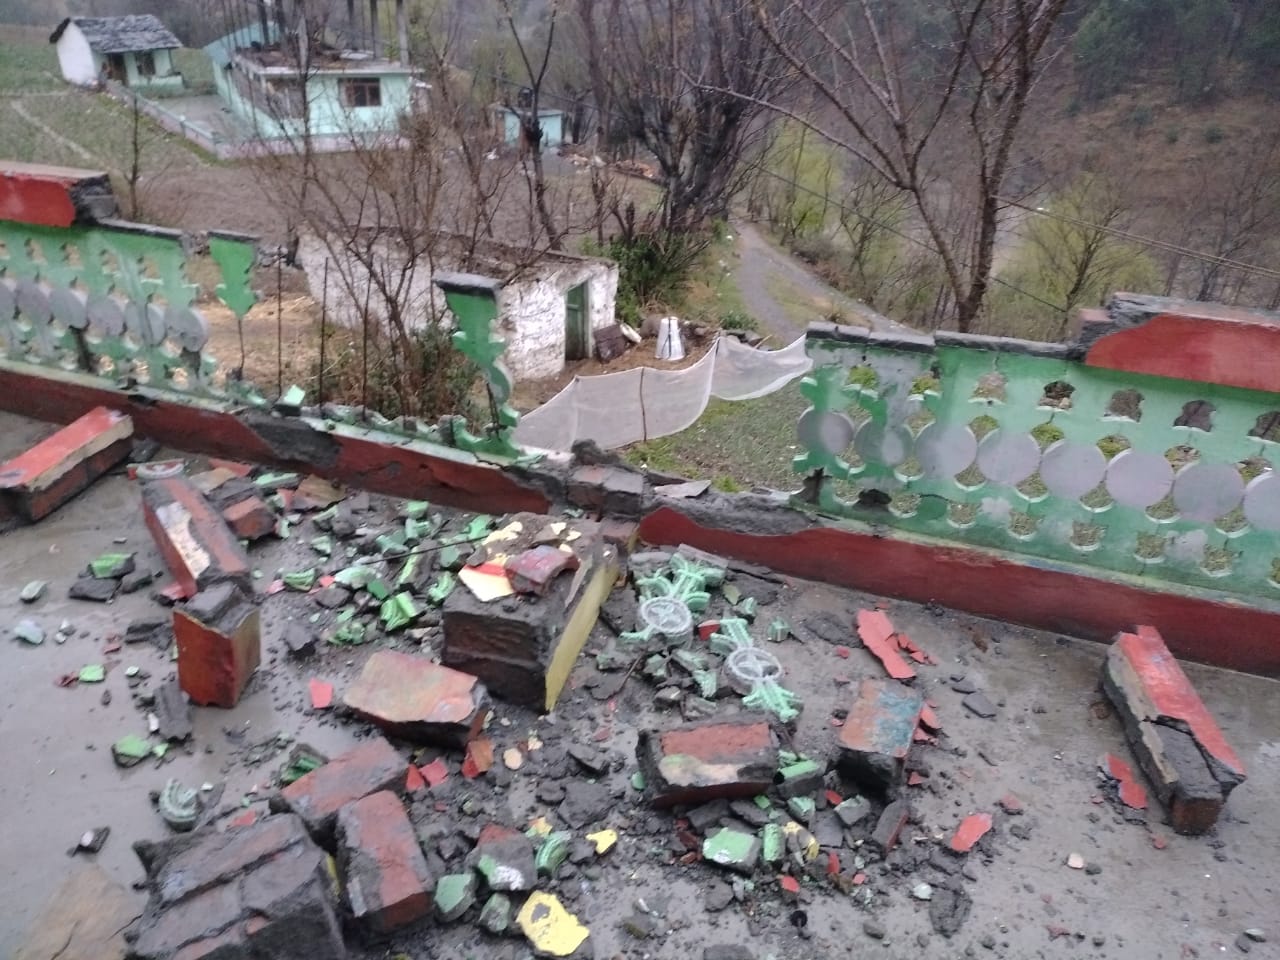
1262,502
1203,491
1007,457
825,430
944,451
1071,470
1136,478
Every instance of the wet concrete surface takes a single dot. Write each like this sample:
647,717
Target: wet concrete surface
1191,898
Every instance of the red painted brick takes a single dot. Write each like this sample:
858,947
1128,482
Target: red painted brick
317,797
1204,342
37,482
878,732
877,634
250,519
198,546
696,762
972,829
50,196
1175,739
219,645
385,880
410,696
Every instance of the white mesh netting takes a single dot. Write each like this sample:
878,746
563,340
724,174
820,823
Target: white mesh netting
643,403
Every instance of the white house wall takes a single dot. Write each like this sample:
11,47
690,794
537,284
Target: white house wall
531,312
75,57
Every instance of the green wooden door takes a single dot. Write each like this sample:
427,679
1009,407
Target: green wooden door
577,324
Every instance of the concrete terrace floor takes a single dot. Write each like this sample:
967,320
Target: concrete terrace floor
1190,899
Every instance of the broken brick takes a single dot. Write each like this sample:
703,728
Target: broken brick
1010,805
1131,792
1176,741
409,696
219,645
892,819
972,829
198,546
505,858
316,493
385,880
250,519
877,635
319,795
38,481
878,732
524,652
707,760
533,571
262,889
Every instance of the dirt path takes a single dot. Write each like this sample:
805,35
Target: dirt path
786,296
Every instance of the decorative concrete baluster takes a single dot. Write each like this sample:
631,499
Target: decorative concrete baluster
474,302
235,254
754,672
826,432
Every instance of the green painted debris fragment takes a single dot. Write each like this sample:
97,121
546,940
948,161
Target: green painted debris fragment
410,570
299,765
655,668
441,589
324,520
378,589
477,527
455,893
391,543
300,580
495,915
708,683
322,545
732,594
451,558
111,565
691,661
773,844
33,591
746,609
417,530
763,802
349,634
130,750
553,852
159,750
273,480
28,631
732,849
294,397
637,781
93,673
398,612
356,576
414,509
779,630
345,614
282,528
179,806
801,808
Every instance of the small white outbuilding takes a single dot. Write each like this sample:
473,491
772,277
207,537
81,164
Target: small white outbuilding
132,50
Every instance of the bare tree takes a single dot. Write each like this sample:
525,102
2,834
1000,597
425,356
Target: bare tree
689,80
936,118
1233,214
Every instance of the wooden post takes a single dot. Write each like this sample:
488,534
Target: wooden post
373,28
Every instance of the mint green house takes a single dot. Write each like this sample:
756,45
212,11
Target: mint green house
347,93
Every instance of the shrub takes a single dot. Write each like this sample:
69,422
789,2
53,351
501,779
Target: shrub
738,320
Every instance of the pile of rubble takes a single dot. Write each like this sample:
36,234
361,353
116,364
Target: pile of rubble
467,803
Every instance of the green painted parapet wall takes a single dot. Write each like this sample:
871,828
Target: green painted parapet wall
113,302
1031,449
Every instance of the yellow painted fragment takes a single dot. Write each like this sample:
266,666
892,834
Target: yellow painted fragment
604,840
541,826
552,929
811,849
